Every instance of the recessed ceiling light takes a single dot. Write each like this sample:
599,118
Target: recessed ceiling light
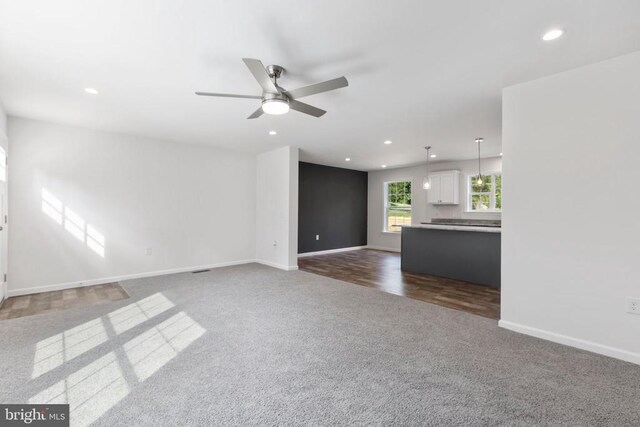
91,90
347,159
500,154
552,34
388,142
273,132
384,166
434,156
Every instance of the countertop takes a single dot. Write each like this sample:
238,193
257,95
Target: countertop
478,229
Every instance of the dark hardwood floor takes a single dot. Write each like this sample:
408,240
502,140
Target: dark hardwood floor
381,270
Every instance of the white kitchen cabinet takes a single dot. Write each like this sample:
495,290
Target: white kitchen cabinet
433,194
445,188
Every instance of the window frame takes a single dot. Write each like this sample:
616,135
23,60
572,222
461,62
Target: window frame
385,206
492,194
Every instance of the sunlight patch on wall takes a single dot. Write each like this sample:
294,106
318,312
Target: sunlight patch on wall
73,223
52,206
95,240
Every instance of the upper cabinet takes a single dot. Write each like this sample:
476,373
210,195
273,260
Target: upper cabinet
445,188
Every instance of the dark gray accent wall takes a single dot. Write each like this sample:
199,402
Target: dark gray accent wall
332,203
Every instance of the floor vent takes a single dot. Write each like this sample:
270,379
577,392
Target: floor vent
200,271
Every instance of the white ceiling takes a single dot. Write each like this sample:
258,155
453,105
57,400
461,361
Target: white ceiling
420,72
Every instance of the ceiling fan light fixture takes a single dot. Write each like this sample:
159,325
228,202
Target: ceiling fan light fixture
275,107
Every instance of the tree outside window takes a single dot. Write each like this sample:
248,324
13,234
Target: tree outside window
485,197
397,211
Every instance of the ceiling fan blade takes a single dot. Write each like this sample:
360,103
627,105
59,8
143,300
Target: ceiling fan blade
228,95
306,108
261,75
256,114
318,88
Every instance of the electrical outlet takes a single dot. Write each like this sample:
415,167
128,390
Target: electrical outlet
149,251
317,237
633,305
275,243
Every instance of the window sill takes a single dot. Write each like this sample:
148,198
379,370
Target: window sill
390,232
484,212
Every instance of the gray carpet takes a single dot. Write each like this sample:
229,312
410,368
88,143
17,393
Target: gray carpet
251,345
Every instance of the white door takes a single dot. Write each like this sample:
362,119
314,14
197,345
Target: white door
433,195
3,216
447,184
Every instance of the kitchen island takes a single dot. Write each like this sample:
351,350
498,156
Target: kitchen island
462,252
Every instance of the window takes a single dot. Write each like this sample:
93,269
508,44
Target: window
397,206
485,197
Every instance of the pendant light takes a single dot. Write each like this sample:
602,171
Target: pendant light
479,181
426,184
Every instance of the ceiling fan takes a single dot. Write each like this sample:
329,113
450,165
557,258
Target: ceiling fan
277,100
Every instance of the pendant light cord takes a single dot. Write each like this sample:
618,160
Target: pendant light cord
479,172
428,148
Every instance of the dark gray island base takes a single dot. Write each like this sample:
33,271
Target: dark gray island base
463,253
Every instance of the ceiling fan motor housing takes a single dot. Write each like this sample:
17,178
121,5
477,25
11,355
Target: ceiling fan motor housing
275,71
266,96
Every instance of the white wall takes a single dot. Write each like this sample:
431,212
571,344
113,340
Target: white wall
571,228
277,208
193,205
421,210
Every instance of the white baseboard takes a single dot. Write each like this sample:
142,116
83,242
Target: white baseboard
381,248
605,350
276,265
78,284
331,251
